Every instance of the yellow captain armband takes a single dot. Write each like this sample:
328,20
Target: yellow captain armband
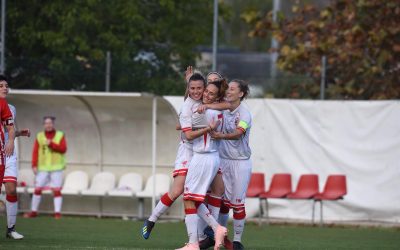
243,126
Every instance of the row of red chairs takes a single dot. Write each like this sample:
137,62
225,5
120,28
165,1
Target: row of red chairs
307,188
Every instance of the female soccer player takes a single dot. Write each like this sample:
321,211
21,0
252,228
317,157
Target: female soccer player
235,155
11,168
203,169
193,96
188,118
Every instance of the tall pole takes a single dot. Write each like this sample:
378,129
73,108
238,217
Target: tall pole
215,37
274,42
108,70
323,76
154,149
3,35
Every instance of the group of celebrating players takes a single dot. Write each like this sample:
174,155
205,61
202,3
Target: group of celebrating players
213,166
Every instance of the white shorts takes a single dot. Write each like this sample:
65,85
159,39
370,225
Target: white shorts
183,158
236,175
11,171
202,171
52,179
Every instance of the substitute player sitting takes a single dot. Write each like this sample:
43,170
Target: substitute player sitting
48,163
11,171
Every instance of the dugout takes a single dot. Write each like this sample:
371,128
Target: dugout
104,132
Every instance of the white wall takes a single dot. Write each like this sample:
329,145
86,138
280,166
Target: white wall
360,139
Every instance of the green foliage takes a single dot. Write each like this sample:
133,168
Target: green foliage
233,32
62,44
359,38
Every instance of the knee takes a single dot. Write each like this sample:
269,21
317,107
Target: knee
11,190
217,190
175,192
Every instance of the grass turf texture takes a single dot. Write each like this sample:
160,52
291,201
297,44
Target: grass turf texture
92,233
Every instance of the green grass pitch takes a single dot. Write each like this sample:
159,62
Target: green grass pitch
92,233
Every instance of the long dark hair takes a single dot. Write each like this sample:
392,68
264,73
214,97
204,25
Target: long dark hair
222,86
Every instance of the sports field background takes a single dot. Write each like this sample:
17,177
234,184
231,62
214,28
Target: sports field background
94,233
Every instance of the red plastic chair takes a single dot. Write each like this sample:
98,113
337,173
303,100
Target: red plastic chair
256,185
307,187
280,187
335,189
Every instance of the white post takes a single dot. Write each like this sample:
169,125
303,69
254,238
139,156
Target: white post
108,70
323,76
3,35
274,42
154,149
215,37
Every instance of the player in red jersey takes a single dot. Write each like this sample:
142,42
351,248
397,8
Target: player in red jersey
11,171
7,121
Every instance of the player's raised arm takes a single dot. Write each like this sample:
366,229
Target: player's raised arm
188,73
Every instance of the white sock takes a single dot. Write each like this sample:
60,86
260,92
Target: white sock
223,219
201,225
191,227
214,211
205,214
238,227
35,202
161,207
57,204
158,211
12,209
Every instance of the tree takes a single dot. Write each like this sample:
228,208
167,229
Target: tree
360,39
58,44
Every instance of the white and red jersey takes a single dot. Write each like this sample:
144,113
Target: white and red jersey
185,150
14,115
6,120
185,116
204,143
11,171
238,149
